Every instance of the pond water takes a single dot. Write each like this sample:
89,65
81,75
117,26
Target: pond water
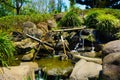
54,69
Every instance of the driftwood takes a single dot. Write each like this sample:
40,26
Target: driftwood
40,41
96,60
71,29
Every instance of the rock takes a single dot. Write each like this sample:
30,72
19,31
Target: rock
84,70
43,26
85,32
111,47
23,72
111,66
29,24
17,36
25,45
31,29
58,16
28,56
33,65
51,24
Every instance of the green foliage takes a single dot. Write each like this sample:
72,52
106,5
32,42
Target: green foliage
104,20
76,10
91,19
16,22
6,50
70,20
117,35
107,23
115,12
91,37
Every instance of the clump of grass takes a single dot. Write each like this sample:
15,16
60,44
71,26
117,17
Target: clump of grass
6,50
107,23
91,19
70,20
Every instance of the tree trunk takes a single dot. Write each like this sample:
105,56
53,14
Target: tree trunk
18,11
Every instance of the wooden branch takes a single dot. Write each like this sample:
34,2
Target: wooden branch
96,60
71,29
38,40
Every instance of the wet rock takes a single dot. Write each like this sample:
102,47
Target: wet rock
111,66
111,47
82,71
28,56
85,32
23,72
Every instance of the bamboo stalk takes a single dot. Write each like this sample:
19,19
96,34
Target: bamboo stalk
63,45
71,29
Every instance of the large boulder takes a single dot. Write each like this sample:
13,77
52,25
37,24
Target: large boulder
23,72
84,70
43,26
111,47
111,66
31,29
25,45
33,65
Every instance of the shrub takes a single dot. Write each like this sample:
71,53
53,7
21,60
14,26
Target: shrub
70,20
6,50
107,24
91,19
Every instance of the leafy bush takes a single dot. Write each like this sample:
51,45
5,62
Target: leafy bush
91,19
114,12
70,20
107,24
6,50
76,10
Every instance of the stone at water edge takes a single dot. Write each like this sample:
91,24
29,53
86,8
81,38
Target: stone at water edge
111,47
111,66
82,71
23,72
29,55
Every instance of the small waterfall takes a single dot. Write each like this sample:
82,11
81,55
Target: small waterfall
92,48
39,76
80,43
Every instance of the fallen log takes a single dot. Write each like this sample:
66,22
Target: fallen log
96,60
